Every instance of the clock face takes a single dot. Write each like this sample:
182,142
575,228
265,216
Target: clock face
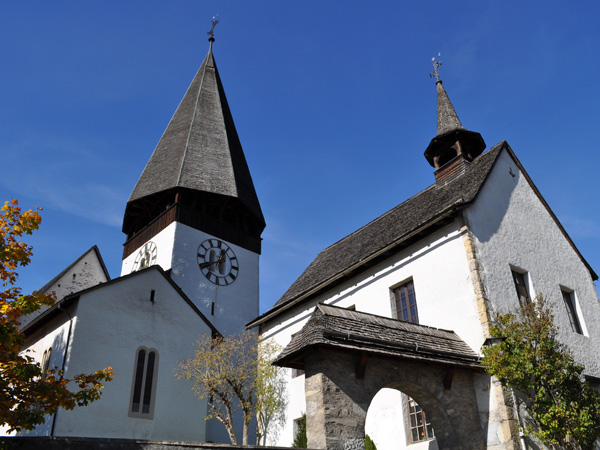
145,257
217,262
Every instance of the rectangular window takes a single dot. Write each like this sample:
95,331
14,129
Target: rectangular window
405,303
521,286
144,384
420,428
569,299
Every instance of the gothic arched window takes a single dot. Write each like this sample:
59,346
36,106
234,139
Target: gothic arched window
143,390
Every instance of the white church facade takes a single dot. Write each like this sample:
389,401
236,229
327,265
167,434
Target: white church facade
477,241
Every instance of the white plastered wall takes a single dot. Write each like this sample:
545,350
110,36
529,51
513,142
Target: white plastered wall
445,299
164,241
113,322
513,228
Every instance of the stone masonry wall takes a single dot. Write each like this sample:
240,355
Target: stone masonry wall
337,400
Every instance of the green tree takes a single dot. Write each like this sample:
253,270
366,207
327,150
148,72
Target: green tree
369,444
271,397
301,440
26,393
234,375
564,409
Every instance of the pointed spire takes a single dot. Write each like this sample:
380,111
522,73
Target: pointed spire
199,158
447,119
453,146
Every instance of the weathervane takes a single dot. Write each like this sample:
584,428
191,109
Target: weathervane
436,68
211,33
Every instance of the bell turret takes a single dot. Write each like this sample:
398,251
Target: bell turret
454,147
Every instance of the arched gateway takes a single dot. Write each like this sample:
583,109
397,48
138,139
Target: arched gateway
348,356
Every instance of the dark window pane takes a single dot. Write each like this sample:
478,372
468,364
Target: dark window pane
415,435
139,376
572,311
521,287
148,384
429,431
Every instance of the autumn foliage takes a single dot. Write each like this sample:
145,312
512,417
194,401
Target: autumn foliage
27,394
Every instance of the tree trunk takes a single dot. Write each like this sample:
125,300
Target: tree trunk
245,430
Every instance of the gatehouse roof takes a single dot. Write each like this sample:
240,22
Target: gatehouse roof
344,329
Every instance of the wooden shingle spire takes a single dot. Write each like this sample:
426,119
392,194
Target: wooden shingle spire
198,163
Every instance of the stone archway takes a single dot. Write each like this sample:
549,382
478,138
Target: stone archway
348,356
337,400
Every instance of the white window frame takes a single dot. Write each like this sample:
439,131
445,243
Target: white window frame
578,316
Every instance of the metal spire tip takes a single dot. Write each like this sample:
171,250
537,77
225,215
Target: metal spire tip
436,68
211,33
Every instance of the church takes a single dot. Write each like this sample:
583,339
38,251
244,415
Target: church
380,334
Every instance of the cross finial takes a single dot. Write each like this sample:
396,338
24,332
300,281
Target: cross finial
436,68
211,33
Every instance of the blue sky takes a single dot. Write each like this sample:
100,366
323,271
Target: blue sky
332,101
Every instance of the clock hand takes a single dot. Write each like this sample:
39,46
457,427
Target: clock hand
221,258
205,264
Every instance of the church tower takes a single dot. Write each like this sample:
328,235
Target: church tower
194,210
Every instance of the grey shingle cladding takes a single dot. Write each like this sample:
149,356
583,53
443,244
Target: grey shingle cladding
391,227
200,148
334,327
447,119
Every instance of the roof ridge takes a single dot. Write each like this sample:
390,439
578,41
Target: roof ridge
432,186
77,294
187,141
73,264
385,232
410,324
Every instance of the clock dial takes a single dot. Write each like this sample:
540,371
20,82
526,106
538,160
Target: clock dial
145,257
218,262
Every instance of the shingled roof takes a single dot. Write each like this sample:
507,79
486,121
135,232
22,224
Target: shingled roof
399,227
343,329
447,119
200,149
387,231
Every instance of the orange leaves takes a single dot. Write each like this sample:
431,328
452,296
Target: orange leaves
13,252
27,394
